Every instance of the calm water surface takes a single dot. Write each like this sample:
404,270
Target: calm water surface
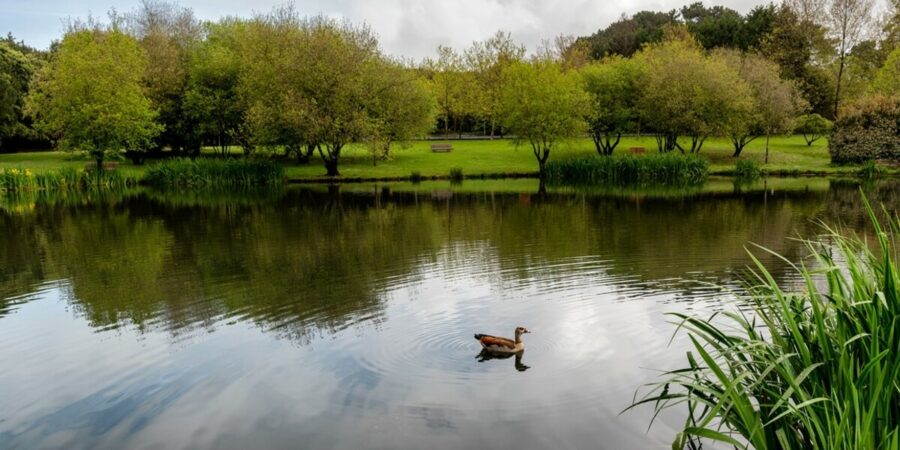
343,318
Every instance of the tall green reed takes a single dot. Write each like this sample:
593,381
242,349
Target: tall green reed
207,172
812,369
67,179
628,169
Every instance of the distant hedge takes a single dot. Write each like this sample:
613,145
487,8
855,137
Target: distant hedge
870,130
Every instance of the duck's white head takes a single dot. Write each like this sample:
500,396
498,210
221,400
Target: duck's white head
520,331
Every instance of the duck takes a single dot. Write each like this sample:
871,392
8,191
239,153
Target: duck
502,344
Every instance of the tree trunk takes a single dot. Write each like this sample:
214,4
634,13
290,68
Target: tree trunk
542,154
837,91
767,147
738,147
304,157
99,165
542,187
595,136
331,167
612,147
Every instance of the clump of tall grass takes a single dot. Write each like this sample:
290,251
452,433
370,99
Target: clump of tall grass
817,368
456,175
67,179
746,169
870,169
628,169
207,172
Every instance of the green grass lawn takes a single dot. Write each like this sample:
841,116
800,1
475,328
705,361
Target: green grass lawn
502,156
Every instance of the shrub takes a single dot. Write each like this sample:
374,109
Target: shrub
206,172
456,175
747,169
816,368
667,168
868,130
415,177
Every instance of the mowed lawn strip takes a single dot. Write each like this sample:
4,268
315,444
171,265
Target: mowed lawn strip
492,157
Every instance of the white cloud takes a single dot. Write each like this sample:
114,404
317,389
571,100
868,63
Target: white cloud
411,28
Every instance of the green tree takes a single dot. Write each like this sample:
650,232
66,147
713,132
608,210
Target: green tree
402,108
795,43
488,61
714,27
542,104
628,34
16,71
686,93
775,101
271,82
887,80
613,86
211,99
849,20
324,84
167,32
89,97
452,86
813,127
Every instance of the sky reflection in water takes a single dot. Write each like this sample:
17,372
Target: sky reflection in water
322,320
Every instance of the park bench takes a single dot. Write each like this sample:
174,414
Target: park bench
441,148
637,150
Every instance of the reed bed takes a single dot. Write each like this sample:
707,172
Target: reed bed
216,173
813,369
746,169
68,179
628,170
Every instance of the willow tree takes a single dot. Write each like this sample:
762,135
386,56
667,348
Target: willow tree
90,98
542,105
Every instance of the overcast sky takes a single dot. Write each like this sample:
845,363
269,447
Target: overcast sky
411,28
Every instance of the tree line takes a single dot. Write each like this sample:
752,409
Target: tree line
158,78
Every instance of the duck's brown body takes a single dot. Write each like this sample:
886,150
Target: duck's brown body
502,344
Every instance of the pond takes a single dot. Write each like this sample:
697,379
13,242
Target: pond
343,317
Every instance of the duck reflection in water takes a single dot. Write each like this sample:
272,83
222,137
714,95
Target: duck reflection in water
487,355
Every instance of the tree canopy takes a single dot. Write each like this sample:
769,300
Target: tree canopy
89,97
613,87
542,104
688,93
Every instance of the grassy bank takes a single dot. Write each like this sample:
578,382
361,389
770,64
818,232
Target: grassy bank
815,367
788,155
